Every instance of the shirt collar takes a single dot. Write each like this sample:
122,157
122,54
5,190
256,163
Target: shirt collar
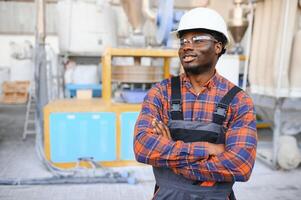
212,82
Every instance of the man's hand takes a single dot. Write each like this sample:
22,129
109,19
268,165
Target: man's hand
215,149
161,129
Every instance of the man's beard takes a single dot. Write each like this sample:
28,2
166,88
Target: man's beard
199,69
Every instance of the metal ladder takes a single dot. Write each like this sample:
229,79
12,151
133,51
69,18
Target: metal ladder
29,124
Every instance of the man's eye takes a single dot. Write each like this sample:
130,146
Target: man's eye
182,42
198,41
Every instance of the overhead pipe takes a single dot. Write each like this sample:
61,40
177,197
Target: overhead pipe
248,47
146,10
41,21
132,9
148,13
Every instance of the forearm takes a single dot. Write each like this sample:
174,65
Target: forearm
233,165
158,151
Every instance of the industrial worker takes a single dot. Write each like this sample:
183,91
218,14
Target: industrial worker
197,130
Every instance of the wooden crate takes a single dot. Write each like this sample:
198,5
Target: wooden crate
15,92
137,74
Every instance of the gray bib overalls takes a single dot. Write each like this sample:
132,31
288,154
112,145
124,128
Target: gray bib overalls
170,186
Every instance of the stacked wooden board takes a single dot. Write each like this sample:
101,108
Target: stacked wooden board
15,92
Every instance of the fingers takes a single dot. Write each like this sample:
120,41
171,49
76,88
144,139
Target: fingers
165,130
160,128
157,128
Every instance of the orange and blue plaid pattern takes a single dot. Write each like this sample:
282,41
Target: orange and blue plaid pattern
191,159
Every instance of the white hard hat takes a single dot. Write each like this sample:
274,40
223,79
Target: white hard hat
203,18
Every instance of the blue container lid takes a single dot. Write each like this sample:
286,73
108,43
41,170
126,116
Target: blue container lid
72,86
133,96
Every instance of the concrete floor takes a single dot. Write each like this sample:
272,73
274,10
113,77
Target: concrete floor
18,160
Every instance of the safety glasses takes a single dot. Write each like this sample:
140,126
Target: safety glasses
197,40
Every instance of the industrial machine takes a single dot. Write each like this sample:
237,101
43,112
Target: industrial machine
238,24
100,129
274,83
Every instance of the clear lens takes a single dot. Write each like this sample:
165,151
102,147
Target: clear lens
200,38
183,41
196,40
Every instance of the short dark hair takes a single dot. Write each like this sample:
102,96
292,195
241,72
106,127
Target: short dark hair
216,35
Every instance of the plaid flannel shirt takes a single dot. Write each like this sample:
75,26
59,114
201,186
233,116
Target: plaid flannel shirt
192,159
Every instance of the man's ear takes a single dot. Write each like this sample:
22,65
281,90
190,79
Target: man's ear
218,47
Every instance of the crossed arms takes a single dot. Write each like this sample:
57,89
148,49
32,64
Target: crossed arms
200,161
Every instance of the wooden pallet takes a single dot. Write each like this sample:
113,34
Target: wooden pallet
15,92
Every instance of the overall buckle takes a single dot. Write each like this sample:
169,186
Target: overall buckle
221,110
176,106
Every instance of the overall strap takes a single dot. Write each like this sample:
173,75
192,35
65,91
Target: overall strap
176,104
220,113
176,99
